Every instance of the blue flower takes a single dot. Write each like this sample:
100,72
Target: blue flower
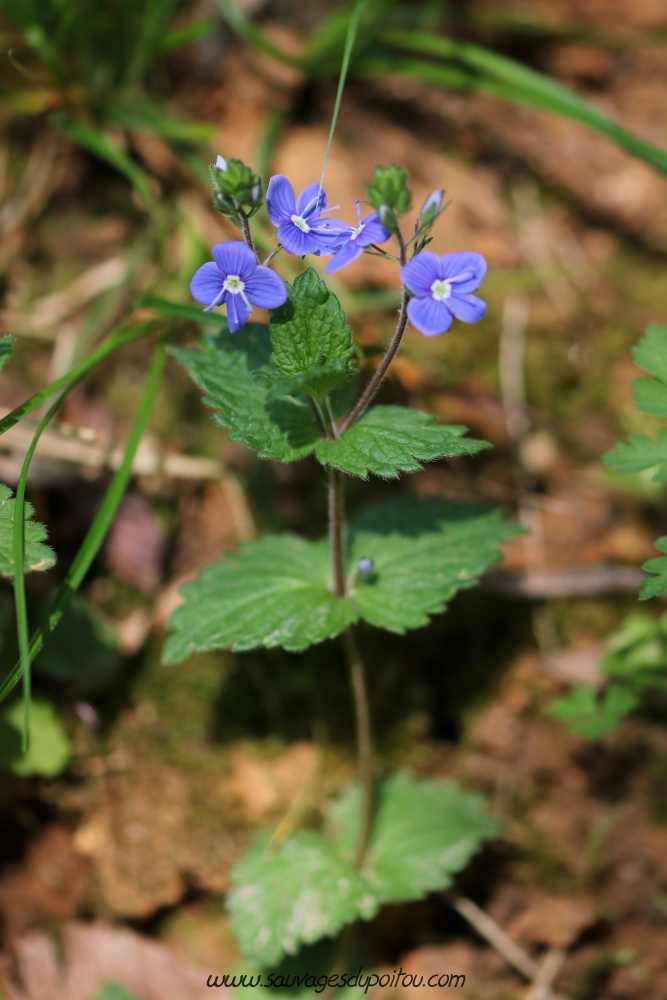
369,231
237,281
301,229
431,208
441,287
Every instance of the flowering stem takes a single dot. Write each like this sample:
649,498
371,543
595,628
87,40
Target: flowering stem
275,250
247,235
336,532
363,718
381,370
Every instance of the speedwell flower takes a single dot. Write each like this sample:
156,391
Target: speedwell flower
301,229
441,287
237,281
368,231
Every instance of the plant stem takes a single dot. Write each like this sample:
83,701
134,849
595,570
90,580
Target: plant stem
381,370
247,235
336,532
275,250
363,718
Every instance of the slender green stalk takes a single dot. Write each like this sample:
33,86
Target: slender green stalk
19,575
82,368
336,532
101,523
352,29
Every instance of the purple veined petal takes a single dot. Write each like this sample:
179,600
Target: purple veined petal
307,202
237,312
373,232
280,199
419,273
206,284
465,270
326,241
234,258
345,255
429,316
294,240
266,289
467,308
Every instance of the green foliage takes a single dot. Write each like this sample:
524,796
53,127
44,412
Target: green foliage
274,592
83,648
49,751
235,188
388,440
656,585
640,452
281,428
114,991
316,381
6,344
389,187
37,555
310,328
277,591
591,715
424,832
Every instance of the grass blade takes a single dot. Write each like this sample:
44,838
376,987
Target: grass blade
246,30
100,526
108,346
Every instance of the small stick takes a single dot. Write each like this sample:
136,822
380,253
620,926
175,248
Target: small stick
549,968
496,936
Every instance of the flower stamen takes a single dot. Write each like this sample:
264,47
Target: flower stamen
441,290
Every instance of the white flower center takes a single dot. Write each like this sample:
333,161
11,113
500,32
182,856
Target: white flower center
301,223
356,232
441,290
233,284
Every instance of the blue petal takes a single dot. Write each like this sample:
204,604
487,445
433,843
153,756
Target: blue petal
465,269
280,199
308,199
266,289
429,316
206,284
345,254
419,274
373,232
234,258
295,240
237,312
468,308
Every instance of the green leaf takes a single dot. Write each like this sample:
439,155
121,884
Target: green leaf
651,352
296,895
37,556
392,439
49,750
588,716
316,381
114,991
281,428
275,592
423,552
310,329
177,310
637,652
650,396
424,832
83,646
638,453
658,584
6,344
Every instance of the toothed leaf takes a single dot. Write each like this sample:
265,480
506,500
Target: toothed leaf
37,555
310,329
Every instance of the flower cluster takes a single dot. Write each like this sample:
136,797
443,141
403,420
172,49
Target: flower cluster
440,287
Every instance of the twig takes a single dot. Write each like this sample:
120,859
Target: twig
549,968
496,936
545,584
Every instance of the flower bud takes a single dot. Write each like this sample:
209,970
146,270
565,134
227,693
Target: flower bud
387,217
431,208
235,188
389,187
365,566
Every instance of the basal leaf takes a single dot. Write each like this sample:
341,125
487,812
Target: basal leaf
37,556
6,344
388,440
295,895
424,832
651,352
316,382
310,329
281,428
657,584
275,592
650,396
638,453
587,715
49,750
423,552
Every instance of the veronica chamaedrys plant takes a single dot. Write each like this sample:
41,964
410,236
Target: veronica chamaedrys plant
285,390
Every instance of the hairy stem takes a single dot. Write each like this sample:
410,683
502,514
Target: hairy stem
247,235
363,719
336,532
382,369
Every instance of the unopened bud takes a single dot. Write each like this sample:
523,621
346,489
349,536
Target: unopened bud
431,208
365,566
387,217
221,163
235,188
389,187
